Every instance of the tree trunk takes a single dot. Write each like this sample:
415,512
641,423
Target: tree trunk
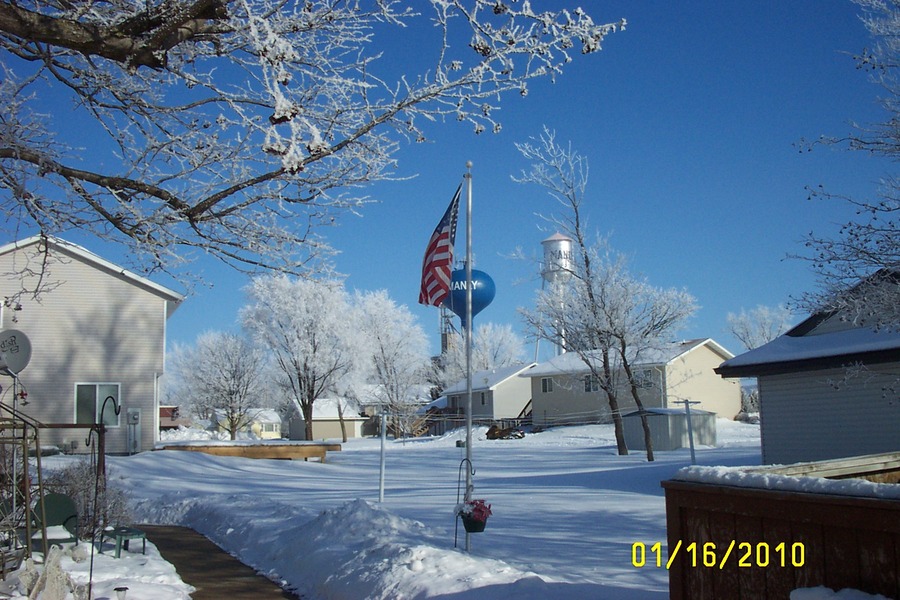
618,426
308,418
343,423
610,389
648,437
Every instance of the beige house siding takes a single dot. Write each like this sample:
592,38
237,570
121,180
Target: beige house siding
691,377
505,401
97,325
806,417
566,403
327,429
687,376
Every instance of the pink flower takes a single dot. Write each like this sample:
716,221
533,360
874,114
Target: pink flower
477,510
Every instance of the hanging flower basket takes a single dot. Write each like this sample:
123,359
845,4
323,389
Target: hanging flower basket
474,515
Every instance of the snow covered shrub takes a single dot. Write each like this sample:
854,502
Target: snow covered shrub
79,481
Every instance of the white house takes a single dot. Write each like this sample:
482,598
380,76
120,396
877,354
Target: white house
97,332
564,391
827,389
262,423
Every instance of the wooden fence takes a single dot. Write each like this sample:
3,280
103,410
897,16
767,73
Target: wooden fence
737,542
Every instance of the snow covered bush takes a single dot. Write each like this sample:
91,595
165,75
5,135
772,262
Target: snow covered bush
100,503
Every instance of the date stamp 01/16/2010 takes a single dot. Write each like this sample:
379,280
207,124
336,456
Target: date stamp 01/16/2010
716,556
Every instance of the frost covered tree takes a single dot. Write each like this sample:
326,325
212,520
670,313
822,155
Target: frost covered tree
494,346
304,324
399,356
868,247
610,318
237,128
760,325
221,377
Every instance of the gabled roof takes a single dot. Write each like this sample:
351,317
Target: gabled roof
826,339
488,380
571,363
792,353
327,409
172,297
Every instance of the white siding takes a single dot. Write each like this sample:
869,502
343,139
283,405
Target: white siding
806,417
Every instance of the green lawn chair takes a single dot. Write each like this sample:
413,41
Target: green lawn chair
61,520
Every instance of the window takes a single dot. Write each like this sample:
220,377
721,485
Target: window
482,398
546,385
591,383
89,399
644,378
271,428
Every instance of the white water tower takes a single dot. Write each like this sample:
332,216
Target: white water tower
556,270
558,263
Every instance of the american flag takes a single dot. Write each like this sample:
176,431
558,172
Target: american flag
439,257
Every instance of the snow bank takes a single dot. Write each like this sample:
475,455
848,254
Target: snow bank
741,477
360,550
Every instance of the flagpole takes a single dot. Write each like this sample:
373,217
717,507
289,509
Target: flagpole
471,467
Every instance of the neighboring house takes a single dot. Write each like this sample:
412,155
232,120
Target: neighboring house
262,423
98,331
564,392
497,394
172,417
827,389
327,420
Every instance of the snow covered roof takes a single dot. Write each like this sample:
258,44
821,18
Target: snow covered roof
374,393
257,415
571,363
801,350
787,353
488,380
327,408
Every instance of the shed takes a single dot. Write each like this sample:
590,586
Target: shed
668,428
827,387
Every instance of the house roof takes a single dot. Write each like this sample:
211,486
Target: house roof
571,363
656,412
374,394
800,350
327,409
258,415
827,338
173,298
488,380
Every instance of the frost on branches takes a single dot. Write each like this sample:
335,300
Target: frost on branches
239,127
859,267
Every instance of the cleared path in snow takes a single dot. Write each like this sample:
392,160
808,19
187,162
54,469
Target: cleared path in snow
215,573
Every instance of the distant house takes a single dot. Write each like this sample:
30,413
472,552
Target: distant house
98,332
261,423
827,389
563,390
327,420
496,393
172,417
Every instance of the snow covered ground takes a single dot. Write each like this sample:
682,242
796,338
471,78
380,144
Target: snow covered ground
566,511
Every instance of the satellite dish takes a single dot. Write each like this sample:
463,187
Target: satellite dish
15,351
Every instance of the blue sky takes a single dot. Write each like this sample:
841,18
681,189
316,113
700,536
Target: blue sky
691,120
